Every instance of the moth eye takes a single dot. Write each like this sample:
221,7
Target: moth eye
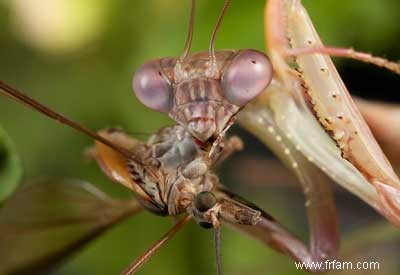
152,87
204,201
249,73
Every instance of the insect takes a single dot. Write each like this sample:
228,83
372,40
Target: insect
171,173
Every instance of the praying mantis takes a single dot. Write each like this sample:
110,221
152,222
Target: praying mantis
305,116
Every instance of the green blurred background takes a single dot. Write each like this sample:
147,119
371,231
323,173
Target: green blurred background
79,56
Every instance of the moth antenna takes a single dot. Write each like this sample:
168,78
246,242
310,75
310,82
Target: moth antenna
189,38
217,243
211,48
12,93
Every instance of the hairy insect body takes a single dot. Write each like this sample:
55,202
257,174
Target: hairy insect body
170,171
184,169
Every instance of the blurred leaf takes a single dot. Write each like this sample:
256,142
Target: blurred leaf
10,167
60,26
48,220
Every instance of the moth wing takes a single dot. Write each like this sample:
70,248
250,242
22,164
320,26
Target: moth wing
45,221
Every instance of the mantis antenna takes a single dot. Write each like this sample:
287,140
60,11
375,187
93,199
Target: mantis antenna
189,38
211,48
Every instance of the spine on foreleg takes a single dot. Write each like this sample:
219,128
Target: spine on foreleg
338,114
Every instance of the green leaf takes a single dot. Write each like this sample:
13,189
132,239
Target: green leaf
10,167
46,221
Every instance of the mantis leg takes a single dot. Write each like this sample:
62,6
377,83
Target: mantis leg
228,147
347,53
378,116
324,239
333,106
277,39
322,218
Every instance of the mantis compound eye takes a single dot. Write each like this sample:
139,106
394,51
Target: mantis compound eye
249,73
152,87
205,201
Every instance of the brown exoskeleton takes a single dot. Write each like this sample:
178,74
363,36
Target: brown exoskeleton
171,174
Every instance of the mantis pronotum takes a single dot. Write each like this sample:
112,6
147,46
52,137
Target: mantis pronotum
171,173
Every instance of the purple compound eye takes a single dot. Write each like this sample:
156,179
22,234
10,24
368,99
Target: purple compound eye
152,87
249,73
